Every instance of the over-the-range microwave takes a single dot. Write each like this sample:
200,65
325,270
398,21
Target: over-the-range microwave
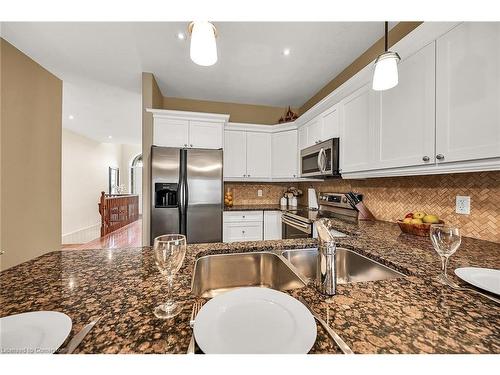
320,160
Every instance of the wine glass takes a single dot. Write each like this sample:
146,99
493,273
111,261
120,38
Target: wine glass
446,240
169,252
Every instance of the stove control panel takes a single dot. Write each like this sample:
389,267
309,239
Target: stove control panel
337,200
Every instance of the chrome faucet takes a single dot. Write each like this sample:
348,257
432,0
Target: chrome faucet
326,275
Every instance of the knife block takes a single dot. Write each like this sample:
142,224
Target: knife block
363,212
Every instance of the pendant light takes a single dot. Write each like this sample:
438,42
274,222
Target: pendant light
203,50
385,74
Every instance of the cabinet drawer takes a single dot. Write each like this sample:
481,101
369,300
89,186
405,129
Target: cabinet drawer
239,231
243,216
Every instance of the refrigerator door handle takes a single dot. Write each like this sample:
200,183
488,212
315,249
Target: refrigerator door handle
183,193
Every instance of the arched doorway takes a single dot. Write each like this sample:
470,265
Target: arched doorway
136,178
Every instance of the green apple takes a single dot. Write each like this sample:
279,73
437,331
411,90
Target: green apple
430,219
419,215
407,220
416,221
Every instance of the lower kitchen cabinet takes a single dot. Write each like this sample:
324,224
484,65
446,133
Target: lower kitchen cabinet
272,225
243,226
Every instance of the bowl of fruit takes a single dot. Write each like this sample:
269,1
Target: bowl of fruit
229,198
418,223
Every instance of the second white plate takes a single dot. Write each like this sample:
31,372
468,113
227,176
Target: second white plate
484,278
254,321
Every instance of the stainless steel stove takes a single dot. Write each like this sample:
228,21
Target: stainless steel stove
299,223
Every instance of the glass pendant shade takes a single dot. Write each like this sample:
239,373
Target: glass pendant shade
385,75
203,50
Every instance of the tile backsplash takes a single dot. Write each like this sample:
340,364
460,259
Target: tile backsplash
246,192
389,198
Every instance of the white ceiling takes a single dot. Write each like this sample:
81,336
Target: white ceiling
101,65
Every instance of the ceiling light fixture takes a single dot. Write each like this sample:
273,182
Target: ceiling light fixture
385,74
286,51
203,50
110,137
181,36
71,117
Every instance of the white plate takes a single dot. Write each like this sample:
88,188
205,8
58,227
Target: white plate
484,278
254,320
37,332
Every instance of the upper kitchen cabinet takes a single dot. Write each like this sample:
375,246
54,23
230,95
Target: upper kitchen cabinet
247,155
284,154
330,123
404,132
258,155
468,93
358,128
204,134
188,129
235,154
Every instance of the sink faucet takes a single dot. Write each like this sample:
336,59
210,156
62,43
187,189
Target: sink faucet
326,275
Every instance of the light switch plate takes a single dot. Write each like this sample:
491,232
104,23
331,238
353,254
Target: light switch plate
259,193
462,205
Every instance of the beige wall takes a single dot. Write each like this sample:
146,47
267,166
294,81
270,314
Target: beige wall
397,33
151,98
247,113
85,164
31,123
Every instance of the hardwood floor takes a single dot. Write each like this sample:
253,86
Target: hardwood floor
127,236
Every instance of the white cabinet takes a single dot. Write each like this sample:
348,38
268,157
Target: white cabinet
235,154
247,154
330,123
404,132
171,132
358,130
258,155
272,225
242,226
302,135
468,93
314,131
204,134
284,154
188,129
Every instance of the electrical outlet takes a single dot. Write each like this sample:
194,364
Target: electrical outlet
259,193
462,205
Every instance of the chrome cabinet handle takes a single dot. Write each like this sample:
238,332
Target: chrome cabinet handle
426,158
190,145
439,156
185,145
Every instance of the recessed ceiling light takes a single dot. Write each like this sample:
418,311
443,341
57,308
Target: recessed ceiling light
110,137
181,36
71,117
286,51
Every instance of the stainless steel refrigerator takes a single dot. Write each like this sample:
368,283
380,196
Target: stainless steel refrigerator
187,193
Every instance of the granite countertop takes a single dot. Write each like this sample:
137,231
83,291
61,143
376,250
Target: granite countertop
413,314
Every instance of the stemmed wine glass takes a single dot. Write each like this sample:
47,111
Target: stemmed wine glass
446,240
169,252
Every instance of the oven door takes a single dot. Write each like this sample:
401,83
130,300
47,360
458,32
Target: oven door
321,160
292,228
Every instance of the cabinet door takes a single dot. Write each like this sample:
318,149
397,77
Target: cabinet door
302,135
468,92
258,155
357,130
272,225
204,134
314,133
330,121
234,232
284,154
235,154
405,133
170,132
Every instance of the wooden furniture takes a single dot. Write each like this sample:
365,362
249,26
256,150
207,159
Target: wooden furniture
117,210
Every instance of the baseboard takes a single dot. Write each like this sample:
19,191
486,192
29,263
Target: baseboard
82,235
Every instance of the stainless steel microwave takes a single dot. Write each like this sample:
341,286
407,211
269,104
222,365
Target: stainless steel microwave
320,160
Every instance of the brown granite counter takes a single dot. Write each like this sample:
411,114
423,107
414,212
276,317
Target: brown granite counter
414,314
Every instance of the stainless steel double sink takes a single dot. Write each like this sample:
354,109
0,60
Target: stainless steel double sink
281,270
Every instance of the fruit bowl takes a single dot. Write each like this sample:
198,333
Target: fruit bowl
416,229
